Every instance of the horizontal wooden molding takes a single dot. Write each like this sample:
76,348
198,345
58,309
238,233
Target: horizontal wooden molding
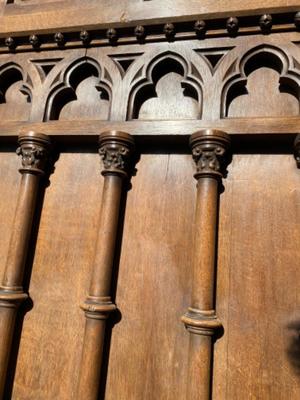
135,31
85,130
45,17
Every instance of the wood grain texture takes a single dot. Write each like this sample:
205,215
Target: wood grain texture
256,295
10,180
149,345
52,335
160,90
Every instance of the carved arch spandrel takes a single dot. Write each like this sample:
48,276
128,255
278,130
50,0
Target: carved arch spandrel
214,78
262,82
73,94
169,87
15,92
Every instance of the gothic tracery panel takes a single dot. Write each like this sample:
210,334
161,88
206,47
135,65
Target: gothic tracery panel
165,87
265,99
91,102
264,87
15,97
80,93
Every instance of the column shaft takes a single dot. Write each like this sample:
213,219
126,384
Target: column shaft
209,152
34,152
115,150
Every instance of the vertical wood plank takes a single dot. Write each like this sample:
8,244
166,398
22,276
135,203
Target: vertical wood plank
258,275
148,345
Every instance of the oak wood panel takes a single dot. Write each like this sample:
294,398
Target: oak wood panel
52,333
147,354
149,345
257,294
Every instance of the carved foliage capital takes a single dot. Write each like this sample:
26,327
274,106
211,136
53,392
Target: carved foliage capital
209,149
34,151
116,150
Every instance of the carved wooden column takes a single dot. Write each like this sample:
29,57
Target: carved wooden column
34,151
116,149
209,148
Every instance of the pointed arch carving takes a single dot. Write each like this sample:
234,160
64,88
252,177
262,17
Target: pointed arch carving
146,82
15,92
67,89
262,56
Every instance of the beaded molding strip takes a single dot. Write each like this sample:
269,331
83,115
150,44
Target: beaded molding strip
200,29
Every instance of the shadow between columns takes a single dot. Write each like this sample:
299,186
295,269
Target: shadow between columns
293,345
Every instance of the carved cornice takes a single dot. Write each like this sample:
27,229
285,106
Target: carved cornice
209,149
98,307
108,34
116,150
297,150
199,322
34,151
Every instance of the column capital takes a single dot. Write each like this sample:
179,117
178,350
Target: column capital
210,152
297,150
116,149
34,150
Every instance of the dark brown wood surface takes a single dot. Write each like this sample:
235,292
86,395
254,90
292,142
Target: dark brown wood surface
150,255
257,298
